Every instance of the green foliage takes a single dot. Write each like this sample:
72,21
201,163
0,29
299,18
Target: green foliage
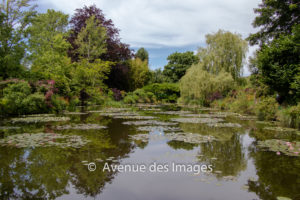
199,86
266,108
279,65
164,92
13,96
156,76
58,103
139,96
290,116
48,49
225,51
34,104
14,17
88,74
91,40
142,54
17,99
139,73
177,65
275,17
243,103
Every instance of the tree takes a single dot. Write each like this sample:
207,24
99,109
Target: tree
275,17
278,65
142,54
177,65
48,48
139,73
225,51
198,86
15,15
117,52
91,40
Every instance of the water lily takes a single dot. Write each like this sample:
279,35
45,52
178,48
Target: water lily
278,153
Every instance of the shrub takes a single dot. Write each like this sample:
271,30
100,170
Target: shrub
34,104
166,92
58,103
73,103
266,108
243,103
290,116
13,96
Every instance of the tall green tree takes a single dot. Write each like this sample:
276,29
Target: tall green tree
142,54
91,40
275,17
279,65
225,51
139,73
15,15
48,48
177,65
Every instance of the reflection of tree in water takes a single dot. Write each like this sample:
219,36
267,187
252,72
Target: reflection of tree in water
230,156
222,134
277,175
181,145
45,173
33,174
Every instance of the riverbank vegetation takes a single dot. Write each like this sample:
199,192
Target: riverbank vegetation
50,62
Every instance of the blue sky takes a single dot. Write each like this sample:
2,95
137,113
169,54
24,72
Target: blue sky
167,26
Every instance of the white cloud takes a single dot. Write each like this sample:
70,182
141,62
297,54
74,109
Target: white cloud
169,23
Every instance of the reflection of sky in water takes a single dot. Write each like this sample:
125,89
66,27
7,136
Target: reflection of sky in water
60,172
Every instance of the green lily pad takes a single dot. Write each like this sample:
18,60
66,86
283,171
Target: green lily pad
39,119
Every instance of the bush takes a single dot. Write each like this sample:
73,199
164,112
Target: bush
13,96
200,87
58,103
73,103
139,96
290,116
34,104
165,92
243,103
266,109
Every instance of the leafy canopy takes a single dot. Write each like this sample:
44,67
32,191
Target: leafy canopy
91,40
48,48
275,17
225,51
177,65
142,54
279,65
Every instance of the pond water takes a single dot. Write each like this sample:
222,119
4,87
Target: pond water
51,161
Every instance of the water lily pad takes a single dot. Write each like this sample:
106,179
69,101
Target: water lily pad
44,140
192,138
149,122
172,112
287,148
112,114
80,127
75,113
133,117
39,119
197,120
222,125
281,129
283,198
158,128
9,127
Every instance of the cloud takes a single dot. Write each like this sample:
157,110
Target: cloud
169,23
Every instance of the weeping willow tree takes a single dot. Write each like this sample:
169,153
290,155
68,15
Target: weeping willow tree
199,86
225,51
219,69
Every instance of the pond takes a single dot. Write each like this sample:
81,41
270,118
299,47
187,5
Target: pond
147,152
